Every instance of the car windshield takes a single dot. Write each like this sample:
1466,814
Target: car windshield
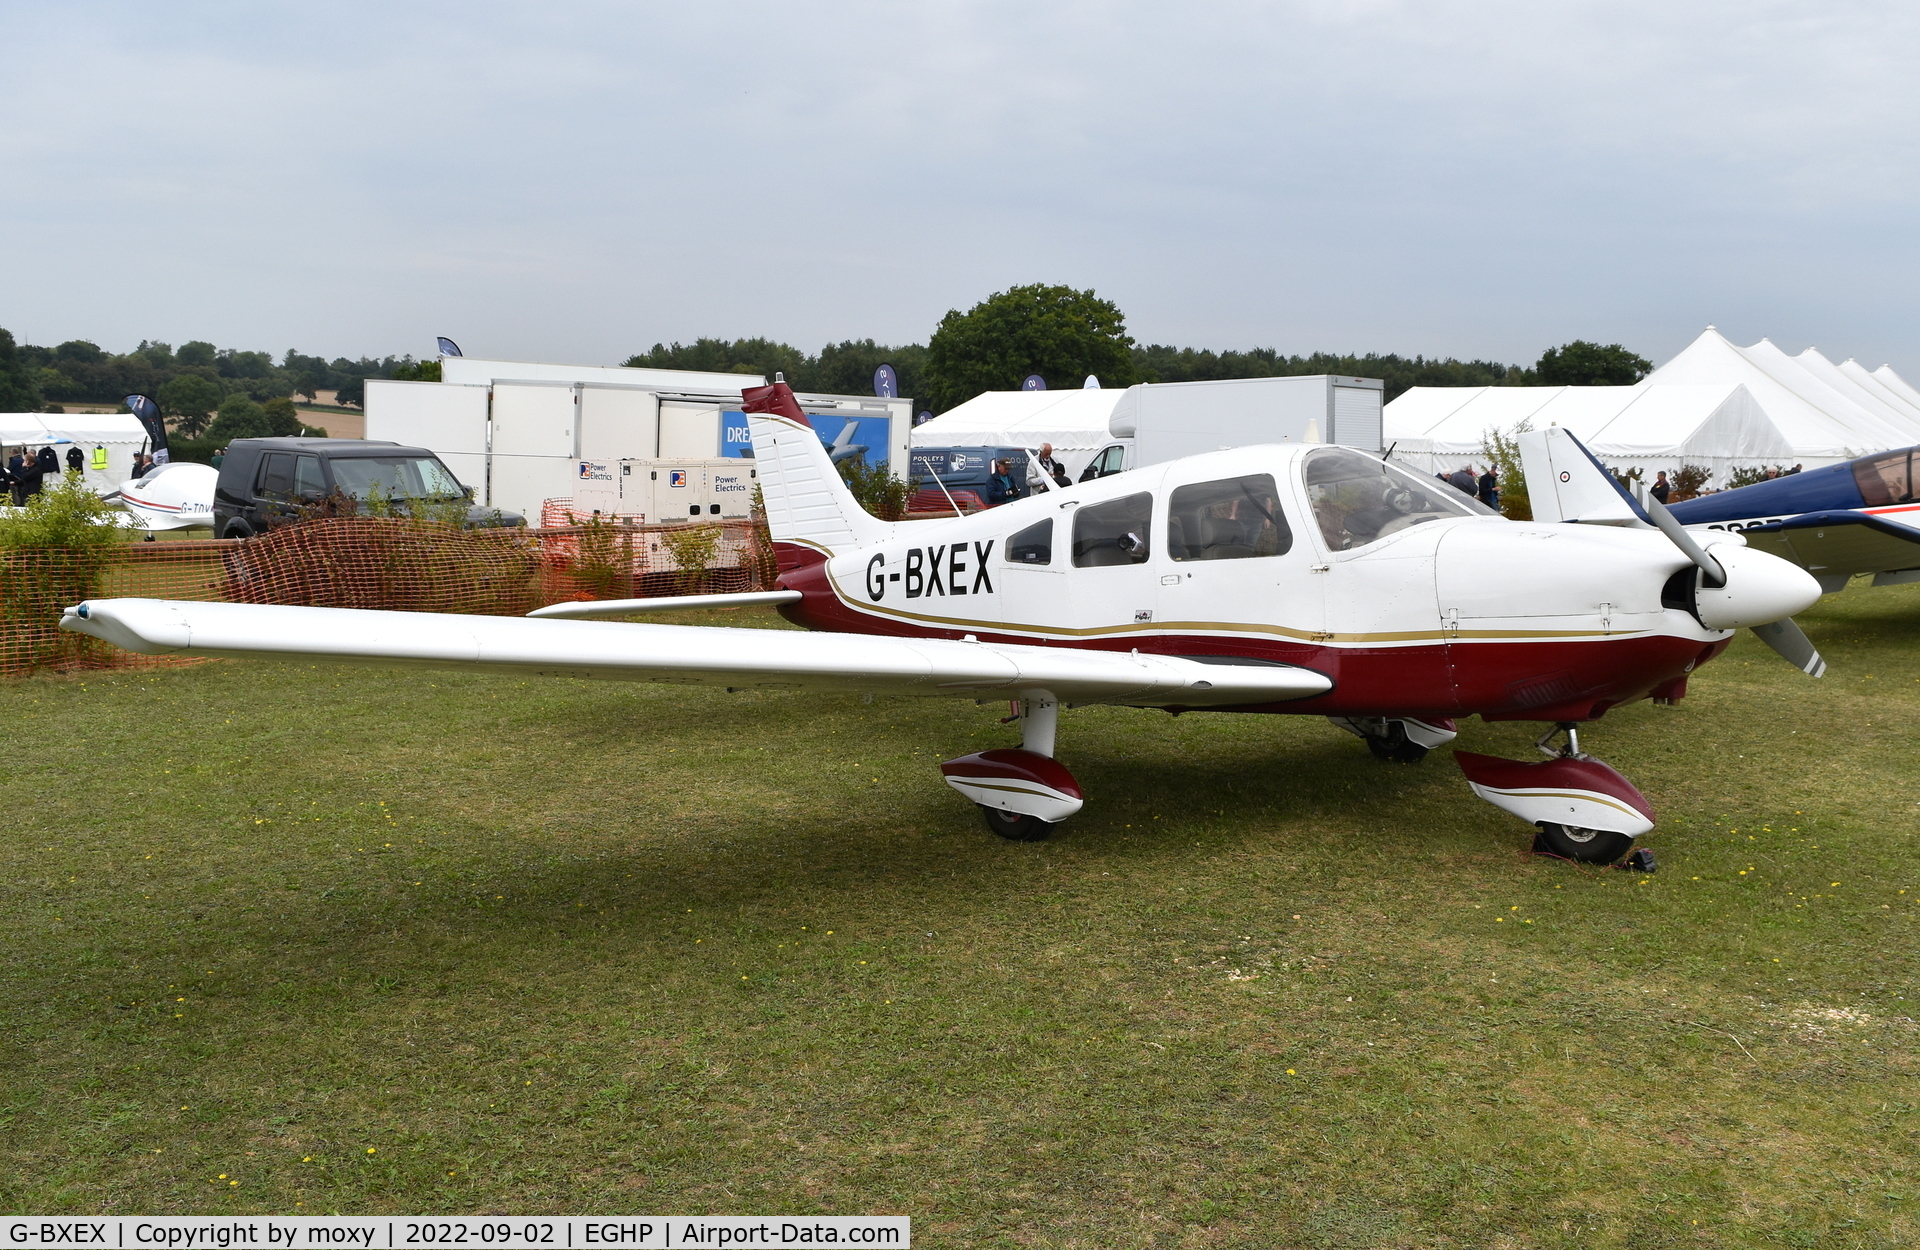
395,477
1357,499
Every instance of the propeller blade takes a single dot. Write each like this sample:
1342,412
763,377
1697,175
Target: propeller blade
1716,576
1793,645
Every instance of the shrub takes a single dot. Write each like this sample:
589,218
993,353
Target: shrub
54,553
883,495
1502,447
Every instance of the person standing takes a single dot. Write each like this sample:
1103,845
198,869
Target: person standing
1000,487
1489,492
1044,472
1462,480
27,480
17,466
1661,488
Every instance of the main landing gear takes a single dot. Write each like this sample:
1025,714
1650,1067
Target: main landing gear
1023,793
1585,811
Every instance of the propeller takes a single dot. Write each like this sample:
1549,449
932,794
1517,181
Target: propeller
1783,635
1793,645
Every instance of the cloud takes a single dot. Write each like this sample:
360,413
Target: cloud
577,181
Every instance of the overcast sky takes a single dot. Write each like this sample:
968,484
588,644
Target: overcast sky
576,181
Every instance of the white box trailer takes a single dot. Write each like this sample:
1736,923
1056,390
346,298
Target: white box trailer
1155,422
519,441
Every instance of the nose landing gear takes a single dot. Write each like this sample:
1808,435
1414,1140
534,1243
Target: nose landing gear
1585,811
1397,739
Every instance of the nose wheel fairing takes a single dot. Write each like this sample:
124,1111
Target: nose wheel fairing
1573,791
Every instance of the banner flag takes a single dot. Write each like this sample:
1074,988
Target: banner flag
885,384
1034,382
448,347
147,412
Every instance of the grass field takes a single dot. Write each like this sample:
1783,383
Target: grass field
287,938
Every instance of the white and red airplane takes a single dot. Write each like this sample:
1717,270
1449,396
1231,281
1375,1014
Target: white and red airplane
172,496
1308,580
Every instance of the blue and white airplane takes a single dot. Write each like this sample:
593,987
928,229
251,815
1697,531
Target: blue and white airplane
1837,522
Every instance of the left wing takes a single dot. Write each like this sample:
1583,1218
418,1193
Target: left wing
1835,545
736,658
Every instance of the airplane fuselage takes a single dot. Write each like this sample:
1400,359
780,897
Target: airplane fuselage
1440,613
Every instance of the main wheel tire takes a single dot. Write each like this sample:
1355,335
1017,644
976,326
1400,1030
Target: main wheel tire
1586,846
1015,827
1396,747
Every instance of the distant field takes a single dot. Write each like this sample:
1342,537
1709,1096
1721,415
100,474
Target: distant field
323,939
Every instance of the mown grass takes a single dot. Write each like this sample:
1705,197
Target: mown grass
291,938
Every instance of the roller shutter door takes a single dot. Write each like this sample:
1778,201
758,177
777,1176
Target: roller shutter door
1356,417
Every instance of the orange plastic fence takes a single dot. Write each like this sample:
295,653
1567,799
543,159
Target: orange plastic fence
370,562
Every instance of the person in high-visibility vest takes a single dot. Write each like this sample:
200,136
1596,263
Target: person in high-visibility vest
99,460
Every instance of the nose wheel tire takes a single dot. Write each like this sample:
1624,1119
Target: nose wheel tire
1395,747
1586,846
1015,827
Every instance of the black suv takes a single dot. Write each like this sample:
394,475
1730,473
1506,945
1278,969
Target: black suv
265,482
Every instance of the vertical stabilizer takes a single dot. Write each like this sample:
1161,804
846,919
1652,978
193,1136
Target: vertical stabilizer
1565,482
806,501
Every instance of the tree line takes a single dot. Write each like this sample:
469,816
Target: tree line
1057,332
1064,335
190,383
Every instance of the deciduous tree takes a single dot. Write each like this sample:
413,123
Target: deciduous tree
1581,363
1055,331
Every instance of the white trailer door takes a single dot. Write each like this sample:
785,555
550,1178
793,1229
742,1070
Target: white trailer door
619,423
534,445
689,431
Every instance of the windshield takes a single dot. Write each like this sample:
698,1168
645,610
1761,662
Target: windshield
1357,499
395,477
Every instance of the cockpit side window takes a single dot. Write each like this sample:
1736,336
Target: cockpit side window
1032,545
1112,533
1237,518
1357,499
1885,479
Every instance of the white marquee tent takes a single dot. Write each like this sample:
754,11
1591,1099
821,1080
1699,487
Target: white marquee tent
1828,412
119,432
1648,426
1075,422
1714,404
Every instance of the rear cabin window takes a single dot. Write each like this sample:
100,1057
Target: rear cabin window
1237,518
1357,499
1885,479
1032,545
276,475
1112,533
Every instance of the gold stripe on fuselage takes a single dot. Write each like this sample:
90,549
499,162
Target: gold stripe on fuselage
1221,627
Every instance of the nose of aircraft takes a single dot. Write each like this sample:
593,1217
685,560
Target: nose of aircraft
1529,569
1521,570
1759,590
